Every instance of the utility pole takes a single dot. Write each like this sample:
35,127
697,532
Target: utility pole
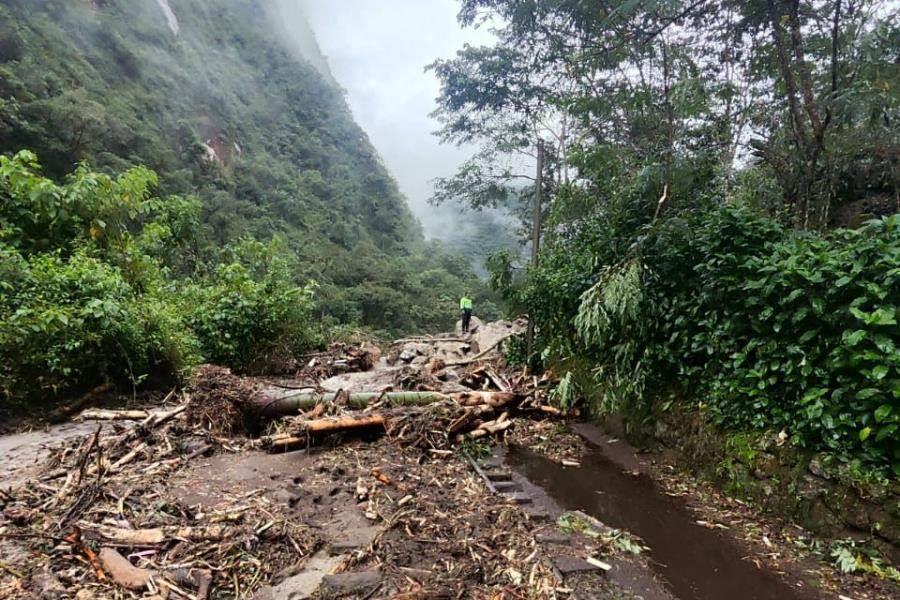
535,233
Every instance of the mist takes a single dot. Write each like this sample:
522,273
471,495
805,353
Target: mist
377,52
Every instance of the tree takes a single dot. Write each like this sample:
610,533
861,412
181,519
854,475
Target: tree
777,81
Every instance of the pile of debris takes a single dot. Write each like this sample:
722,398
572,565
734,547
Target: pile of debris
100,521
486,403
484,342
442,534
99,514
336,359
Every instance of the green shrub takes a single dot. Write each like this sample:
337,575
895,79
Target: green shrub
100,281
770,328
71,322
249,314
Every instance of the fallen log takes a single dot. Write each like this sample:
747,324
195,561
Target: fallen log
101,414
153,537
293,404
480,355
342,423
320,427
429,340
63,413
122,571
501,423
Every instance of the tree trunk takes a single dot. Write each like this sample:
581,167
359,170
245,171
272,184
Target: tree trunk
536,234
290,405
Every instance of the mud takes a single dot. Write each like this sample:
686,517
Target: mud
695,562
23,452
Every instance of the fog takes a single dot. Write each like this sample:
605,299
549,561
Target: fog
377,51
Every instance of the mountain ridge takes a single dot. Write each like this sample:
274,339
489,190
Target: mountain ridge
222,109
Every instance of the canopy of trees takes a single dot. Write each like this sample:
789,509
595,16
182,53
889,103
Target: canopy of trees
701,157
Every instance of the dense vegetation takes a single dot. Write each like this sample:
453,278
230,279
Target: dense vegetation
704,161
91,286
203,194
113,85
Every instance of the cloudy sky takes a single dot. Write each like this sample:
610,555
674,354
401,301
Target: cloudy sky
377,50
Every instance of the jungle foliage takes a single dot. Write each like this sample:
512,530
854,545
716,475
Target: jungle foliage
202,195
102,280
226,112
722,180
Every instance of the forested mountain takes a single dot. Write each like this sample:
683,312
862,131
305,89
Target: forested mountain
214,100
180,182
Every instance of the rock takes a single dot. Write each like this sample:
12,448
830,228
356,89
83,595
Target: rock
350,583
373,351
552,538
570,564
848,507
304,583
122,571
518,497
434,365
407,355
816,468
343,546
811,487
886,525
507,486
492,463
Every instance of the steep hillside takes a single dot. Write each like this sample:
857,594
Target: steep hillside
210,97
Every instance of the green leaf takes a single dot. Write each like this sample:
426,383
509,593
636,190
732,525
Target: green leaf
885,432
883,412
879,372
808,336
885,344
884,316
818,306
852,338
864,433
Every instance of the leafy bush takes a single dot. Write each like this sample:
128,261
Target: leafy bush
99,280
249,314
770,328
63,320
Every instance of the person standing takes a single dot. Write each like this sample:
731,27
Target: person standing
465,305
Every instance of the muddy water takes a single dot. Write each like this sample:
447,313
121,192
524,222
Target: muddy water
696,563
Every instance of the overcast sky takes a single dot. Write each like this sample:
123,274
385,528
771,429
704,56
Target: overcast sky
377,50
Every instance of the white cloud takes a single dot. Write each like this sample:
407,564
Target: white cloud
378,50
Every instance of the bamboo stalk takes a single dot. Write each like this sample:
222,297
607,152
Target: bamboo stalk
293,404
99,414
342,423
